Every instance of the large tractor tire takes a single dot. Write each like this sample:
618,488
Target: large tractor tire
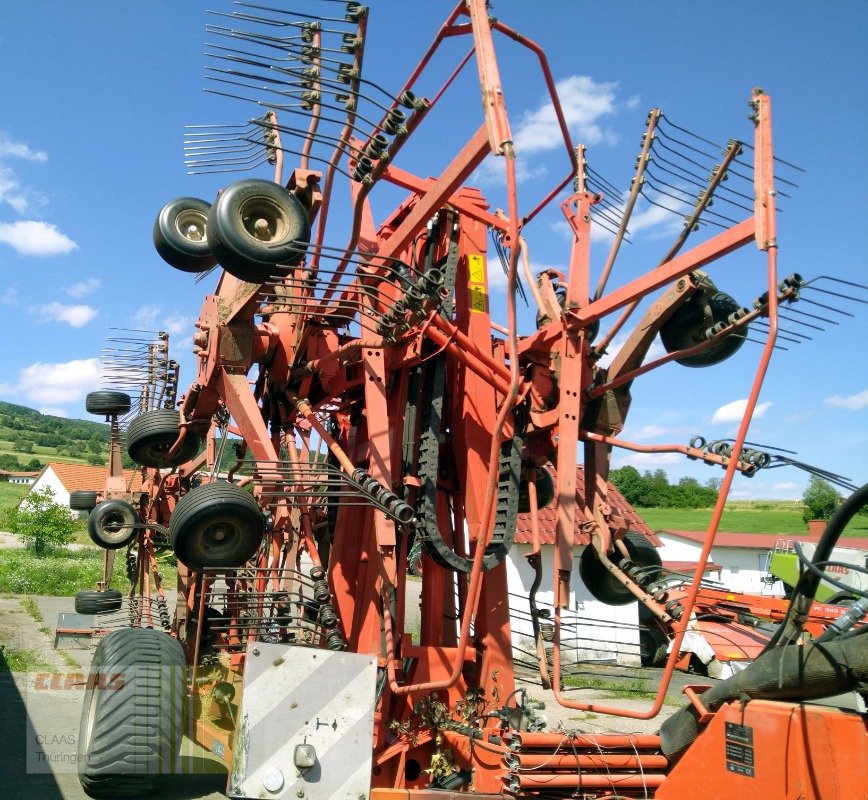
133,714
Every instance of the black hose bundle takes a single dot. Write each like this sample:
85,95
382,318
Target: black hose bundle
805,672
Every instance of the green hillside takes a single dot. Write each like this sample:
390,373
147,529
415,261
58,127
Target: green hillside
30,439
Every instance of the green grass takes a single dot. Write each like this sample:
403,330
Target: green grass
633,688
44,454
31,608
12,660
776,517
60,573
11,494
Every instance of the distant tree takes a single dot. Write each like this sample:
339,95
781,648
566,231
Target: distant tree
34,465
820,499
41,522
96,459
689,493
659,493
23,445
630,483
9,462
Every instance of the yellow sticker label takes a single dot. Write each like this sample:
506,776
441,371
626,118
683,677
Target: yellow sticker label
478,300
476,268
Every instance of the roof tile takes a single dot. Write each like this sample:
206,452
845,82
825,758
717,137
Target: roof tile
548,516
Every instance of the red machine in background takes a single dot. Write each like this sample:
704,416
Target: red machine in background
384,407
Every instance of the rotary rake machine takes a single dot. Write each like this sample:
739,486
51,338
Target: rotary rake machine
391,415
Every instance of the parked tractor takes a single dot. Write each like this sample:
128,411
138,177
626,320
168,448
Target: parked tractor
392,415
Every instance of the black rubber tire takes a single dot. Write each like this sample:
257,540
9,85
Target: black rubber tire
151,435
217,525
111,524
105,402
133,714
81,500
90,601
600,582
545,491
652,646
687,325
231,222
174,239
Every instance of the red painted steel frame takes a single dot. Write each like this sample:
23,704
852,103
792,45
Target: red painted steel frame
352,391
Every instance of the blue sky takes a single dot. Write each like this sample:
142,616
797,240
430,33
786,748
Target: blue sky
95,97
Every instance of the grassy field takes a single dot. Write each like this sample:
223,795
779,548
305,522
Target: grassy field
44,454
742,517
60,574
10,494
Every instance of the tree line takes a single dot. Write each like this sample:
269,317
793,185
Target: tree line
653,489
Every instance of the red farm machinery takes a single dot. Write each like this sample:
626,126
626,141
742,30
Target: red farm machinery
389,420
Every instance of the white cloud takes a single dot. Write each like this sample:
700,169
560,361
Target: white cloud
176,323
9,296
146,316
12,149
32,238
11,192
151,318
83,288
648,432
852,403
65,382
734,411
76,315
53,412
750,489
652,460
584,103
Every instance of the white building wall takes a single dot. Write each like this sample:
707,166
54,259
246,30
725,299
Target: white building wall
742,568
591,630
49,478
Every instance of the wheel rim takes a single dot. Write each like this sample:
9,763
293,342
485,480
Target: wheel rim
115,527
191,225
220,541
158,451
91,717
264,221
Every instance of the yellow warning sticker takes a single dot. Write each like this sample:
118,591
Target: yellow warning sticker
476,268
478,300
477,283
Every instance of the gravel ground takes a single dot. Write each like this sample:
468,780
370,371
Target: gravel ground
614,686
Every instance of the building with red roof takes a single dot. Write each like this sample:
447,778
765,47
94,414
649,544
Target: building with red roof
593,631
63,479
